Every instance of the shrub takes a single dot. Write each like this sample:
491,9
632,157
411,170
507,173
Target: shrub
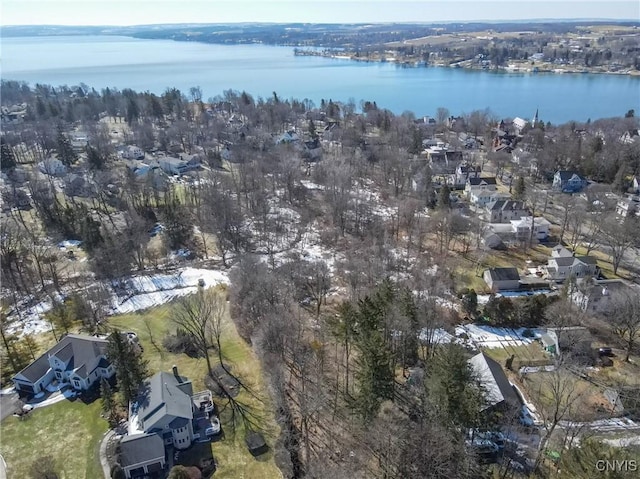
181,342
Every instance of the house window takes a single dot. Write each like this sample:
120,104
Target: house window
76,384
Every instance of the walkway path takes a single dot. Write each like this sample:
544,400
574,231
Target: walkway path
103,454
3,468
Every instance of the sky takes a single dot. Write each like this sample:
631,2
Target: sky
139,12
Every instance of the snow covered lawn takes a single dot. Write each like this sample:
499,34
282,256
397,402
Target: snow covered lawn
145,291
161,288
482,336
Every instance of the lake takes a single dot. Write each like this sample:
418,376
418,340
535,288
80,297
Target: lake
154,65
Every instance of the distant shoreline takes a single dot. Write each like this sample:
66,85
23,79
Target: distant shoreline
465,64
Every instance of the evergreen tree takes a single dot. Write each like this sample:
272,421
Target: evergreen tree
416,142
452,390
131,368
109,406
375,375
470,302
94,158
312,130
133,112
66,154
519,188
7,158
444,199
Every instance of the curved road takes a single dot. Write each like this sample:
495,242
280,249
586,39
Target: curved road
103,454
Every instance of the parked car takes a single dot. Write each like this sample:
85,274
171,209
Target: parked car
605,352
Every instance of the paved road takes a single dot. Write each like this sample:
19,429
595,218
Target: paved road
103,454
9,403
3,468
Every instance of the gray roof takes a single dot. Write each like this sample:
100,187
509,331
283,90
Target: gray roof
564,260
494,380
36,369
77,350
140,448
506,205
587,259
571,260
504,274
566,175
547,339
165,396
81,352
477,181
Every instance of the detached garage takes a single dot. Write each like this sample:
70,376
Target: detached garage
141,454
35,377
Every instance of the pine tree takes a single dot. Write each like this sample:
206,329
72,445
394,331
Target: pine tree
7,158
444,199
66,154
109,406
131,368
519,188
312,130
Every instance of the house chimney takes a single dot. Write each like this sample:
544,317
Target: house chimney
175,373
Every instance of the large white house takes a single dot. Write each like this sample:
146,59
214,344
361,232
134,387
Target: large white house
481,191
77,360
167,413
563,264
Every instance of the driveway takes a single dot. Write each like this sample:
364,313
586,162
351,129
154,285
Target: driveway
9,403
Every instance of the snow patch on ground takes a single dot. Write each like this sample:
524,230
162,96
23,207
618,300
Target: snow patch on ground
310,185
162,288
435,336
623,441
30,320
482,336
144,291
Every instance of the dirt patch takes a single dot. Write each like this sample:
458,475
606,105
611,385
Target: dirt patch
221,382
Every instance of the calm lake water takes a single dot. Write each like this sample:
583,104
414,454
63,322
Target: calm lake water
154,65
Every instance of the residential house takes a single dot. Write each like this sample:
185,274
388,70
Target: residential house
178,166
168,410
628,206
502,279
549,341
131,152
78,360
498,391
52,167
560,266
503,211
559,251
480,191
79,141
599,297
519,124
522,227
464,171
635,184
288,137
568,181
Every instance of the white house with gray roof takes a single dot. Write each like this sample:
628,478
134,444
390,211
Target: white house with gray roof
166,409
563,264
77,359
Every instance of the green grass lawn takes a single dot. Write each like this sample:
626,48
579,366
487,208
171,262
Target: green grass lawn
64,427
231,455
68,431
